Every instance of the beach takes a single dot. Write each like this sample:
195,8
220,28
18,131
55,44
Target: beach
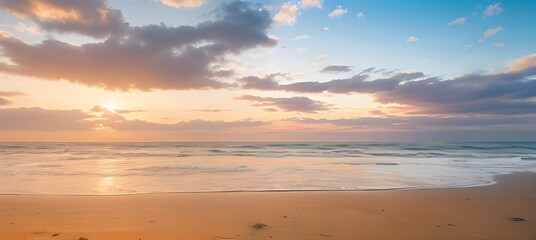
501,211
288,120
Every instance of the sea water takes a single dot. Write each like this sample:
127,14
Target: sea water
134,168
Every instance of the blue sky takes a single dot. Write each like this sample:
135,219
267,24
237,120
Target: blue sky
379,40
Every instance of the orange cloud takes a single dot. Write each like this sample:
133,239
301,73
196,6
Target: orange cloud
89,17
524,63
4,101
184,3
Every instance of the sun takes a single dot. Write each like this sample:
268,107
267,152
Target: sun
110,107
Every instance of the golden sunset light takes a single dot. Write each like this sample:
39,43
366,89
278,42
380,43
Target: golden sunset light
267,119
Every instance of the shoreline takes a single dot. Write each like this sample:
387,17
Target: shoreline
118,169
490,183
486,212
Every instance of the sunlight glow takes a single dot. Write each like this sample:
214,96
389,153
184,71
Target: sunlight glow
110,107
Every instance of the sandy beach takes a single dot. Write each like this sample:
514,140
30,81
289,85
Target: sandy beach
501,211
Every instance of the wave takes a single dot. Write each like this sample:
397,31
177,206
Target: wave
250,146
115,168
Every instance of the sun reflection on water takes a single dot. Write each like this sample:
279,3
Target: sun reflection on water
106,184
108,168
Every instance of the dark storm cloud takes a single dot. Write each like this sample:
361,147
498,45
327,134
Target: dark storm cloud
292,104
336,69
88,17
149,57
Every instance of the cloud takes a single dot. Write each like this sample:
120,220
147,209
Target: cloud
488,33
326,29
312,3
292,104
4,101
11,93
492,31
506,93
493,9
270,109
287,15
338,12
100,109
301,37
147,57
370,70
259,83
210,110
424,122
376,112
88,17
302,49
319,60
184,3
43,121
458,21
38,119
336,69
267,82
525,63
358,83
361,15
193,125
31,30
412,39
498,45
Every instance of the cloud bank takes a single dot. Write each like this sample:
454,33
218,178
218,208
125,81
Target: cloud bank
291,104
146,58
510,92
3,94
88,17
39,119
44,120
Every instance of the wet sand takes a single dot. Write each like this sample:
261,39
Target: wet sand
506,210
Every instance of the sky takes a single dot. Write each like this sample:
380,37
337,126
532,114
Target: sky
267,70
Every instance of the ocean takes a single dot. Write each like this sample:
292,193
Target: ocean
135,168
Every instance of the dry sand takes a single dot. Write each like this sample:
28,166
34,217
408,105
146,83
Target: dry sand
465,213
